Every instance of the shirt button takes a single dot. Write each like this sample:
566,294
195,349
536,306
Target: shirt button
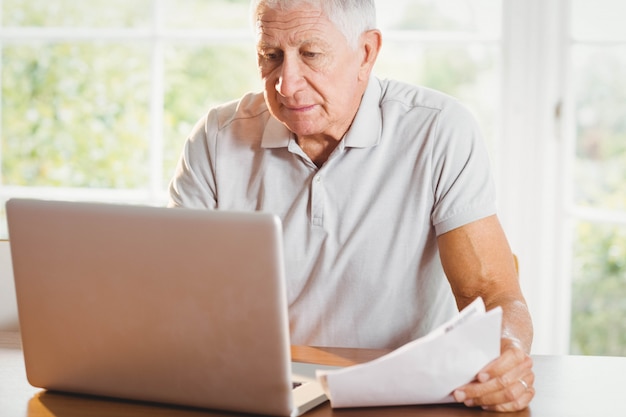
318,179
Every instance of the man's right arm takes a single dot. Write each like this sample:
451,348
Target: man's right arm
193,184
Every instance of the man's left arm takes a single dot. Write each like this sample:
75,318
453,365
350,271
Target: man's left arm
478,261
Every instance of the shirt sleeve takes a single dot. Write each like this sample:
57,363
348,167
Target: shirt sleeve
193,184
463,186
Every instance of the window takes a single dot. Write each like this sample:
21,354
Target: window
596,200
97,98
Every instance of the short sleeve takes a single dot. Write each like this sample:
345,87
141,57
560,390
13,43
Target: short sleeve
463,186
193,183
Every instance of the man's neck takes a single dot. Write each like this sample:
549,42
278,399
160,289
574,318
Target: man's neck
318,149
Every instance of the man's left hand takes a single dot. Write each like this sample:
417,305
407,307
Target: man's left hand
505,384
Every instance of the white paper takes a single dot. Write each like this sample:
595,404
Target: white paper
424,371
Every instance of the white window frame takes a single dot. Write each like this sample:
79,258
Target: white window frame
532,155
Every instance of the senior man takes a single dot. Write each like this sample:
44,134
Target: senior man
383,188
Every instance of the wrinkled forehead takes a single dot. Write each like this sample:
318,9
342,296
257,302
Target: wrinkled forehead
288,16
300,22
261,7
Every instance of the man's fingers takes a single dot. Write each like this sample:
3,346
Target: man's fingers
504,385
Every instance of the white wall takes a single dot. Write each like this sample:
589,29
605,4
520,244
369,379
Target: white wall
8,305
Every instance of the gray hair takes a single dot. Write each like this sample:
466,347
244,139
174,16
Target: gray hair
352,17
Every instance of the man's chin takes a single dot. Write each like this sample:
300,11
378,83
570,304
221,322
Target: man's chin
302,129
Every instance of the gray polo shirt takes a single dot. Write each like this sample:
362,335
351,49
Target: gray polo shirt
360,232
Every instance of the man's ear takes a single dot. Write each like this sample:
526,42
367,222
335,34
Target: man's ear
371,42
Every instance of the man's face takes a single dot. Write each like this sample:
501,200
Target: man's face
313,78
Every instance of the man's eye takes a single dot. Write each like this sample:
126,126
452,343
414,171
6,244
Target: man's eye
271,56
309,54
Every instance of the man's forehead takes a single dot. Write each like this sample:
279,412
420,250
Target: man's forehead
271,22
301,11
312,33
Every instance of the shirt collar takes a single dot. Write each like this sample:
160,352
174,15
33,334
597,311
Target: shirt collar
367,124
364,132
275,135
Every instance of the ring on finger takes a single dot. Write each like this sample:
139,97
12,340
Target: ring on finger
524,384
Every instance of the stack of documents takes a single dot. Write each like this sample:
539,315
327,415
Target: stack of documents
424,371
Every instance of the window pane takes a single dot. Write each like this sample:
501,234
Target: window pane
198,77
600,94
203,14
475,16
72,13
599,19
599,290
75,115
599,177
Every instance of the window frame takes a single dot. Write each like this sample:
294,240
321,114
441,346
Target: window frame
532,162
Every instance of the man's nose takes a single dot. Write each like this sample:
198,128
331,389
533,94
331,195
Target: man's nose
291,78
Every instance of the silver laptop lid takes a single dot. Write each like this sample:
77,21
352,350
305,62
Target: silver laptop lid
169,305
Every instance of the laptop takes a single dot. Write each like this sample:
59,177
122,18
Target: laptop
177,306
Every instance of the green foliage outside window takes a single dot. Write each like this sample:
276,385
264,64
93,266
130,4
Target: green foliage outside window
75,115
198,77
599,273
599,290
